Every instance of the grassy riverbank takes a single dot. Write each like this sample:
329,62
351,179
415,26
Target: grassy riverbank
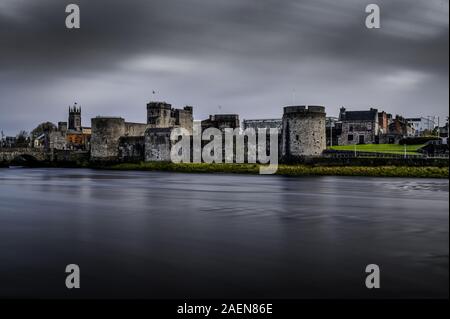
293,170
381,148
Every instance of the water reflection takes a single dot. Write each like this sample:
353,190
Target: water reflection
156,235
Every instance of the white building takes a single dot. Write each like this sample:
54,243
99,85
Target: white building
421,124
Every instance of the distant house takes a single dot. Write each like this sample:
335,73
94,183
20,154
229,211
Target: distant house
384,119
39,142
397,130
358,127
422,125
401,126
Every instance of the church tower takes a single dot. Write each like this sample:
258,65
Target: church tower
75,118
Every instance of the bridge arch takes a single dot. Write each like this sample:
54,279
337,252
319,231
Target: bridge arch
22,156
24,159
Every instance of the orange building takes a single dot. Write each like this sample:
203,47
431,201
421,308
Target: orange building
78,139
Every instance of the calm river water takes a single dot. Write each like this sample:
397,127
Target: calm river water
166,235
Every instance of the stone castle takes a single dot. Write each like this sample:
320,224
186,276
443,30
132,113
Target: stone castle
115,139
302,132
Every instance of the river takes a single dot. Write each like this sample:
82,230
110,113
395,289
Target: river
173,235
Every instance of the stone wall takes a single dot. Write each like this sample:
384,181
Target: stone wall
157,144
33,154
389,138
267,124
132,148
135,129
58,140
69,156
221,121
303,131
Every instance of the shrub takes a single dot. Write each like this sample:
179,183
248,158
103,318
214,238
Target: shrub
417,140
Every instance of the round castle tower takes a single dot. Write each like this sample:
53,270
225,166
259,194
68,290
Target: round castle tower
303,131
106,132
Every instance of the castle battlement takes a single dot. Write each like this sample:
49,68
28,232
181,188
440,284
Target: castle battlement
304,109
159,105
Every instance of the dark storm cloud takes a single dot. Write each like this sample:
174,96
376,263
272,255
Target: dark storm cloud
247,56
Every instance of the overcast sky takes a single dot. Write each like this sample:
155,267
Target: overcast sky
221,56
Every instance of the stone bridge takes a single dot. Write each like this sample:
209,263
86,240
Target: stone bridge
9,155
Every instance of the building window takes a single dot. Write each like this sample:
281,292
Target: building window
350,137
351,129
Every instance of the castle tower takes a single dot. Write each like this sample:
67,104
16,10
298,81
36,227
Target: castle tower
303,131
75,118
106,132
159,115
184,117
